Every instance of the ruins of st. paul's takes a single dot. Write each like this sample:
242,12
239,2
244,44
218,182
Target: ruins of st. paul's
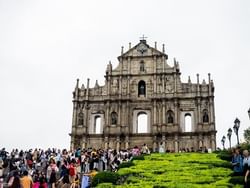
144,101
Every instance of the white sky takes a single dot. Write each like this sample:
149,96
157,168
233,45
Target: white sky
46,45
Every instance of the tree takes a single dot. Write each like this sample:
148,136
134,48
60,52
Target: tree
247,135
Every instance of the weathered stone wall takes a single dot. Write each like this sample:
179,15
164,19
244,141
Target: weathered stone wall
144,83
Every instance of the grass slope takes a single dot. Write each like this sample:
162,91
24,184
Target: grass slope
176,170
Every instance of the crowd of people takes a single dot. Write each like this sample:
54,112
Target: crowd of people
55,168
241,164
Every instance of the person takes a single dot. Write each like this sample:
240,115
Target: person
64,168
42,180
14,181
237,162
246,181
145,149
52,167
1,173
72,171
66,182
161,148
26,180
246,161
52,179
76,182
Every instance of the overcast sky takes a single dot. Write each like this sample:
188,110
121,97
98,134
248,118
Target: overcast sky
46,45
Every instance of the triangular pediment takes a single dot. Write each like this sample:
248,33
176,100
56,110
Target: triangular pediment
142,49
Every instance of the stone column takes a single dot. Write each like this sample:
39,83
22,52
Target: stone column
176,144
159,114
154,112
128,121
155,77
199,115
119,113
74,124
117,144
176,115
129,65
84,144
164,142
175,84
163,112
200,141
128,86
72,145
213,143
211,106
127,142
155,144
107,118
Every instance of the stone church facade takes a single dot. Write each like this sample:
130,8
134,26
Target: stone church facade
142,101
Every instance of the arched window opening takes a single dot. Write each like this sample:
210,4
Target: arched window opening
114,118
142,66
205,116
188,123
142,123
97,127
142,88
170,117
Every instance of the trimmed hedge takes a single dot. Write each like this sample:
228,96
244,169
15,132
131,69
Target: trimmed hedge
105,177
140,157
105,185
126,164
237,180
192,170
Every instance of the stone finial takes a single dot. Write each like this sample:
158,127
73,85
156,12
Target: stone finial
163,48
129,45
155,45
177,65
204,82
174,61
209,78
77,83
88,83
122,50
83,87
198,81
109,68
189,80
96,84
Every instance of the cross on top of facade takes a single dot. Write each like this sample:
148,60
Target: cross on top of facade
143,37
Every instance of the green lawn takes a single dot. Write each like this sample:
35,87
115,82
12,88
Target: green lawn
176,170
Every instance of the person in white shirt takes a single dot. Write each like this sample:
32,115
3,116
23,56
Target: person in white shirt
246,161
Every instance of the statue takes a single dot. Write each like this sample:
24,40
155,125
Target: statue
205,118
170,118
142,89
80,118
113,118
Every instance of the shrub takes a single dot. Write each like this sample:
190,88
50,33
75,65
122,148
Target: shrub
237,180
140,157
105,177
105,185
225,155
189,170
126,164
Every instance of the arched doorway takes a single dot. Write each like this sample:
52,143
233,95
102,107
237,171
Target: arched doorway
188,123
97,125
142,122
